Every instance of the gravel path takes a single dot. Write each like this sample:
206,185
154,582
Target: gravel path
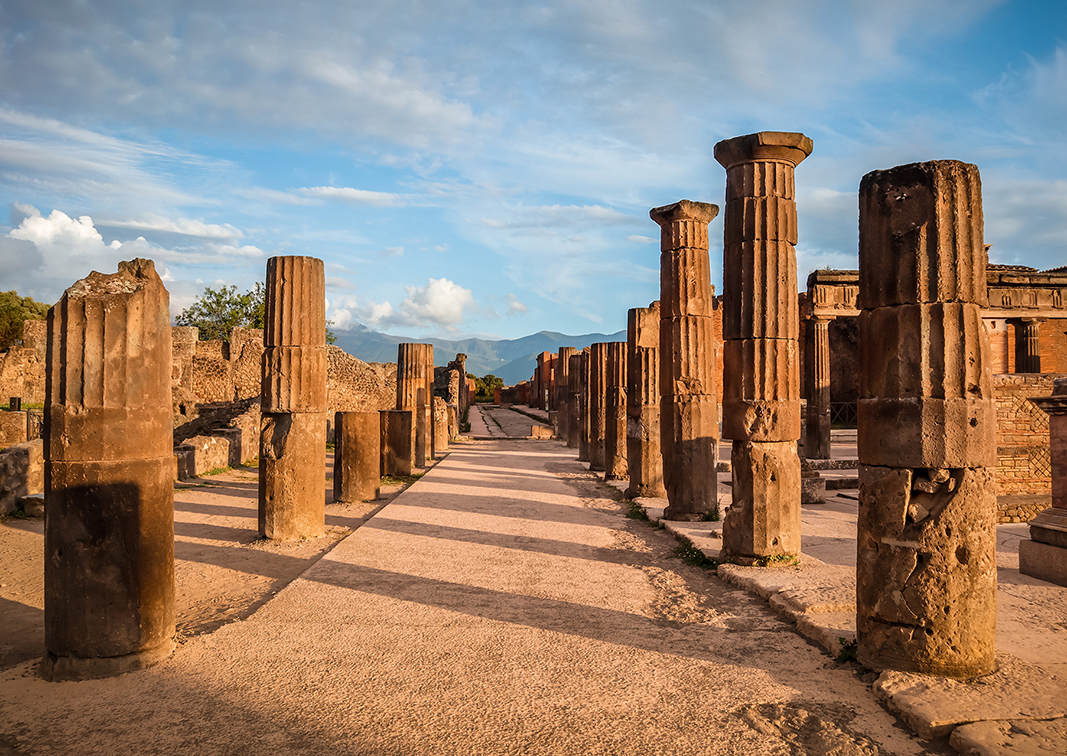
501,605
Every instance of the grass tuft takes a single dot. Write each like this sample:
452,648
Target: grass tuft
848,651
635,511
691,555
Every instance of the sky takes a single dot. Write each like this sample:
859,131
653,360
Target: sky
486,168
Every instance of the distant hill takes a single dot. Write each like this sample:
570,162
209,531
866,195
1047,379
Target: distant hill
513,360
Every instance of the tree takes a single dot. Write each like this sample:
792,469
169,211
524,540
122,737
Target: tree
483,387
14,311
218,311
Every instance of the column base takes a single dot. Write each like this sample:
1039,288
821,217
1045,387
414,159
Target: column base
72,668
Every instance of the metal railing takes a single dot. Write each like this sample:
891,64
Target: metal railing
843,414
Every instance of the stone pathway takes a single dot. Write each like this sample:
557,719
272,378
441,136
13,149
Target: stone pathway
501,605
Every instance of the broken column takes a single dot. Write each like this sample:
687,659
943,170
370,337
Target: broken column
926,562
598,403
292,441
644,459
689,411
1044,554
109,477
574,371
583,405
761,380
563,391
357,456
397,442
615,467
817,384
440,425
412,394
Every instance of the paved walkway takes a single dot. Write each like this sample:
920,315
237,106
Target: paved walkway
501,605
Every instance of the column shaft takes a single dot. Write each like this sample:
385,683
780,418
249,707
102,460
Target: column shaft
598,403
644,457
817,389
615,466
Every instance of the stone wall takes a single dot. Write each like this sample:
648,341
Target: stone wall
22,367
12,428
356,386
21,474
1023,463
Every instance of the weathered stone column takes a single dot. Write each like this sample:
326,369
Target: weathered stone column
926,564
1027,345
397,440
817,385
1044,555
563,391
292,445
615,467
431,441
598,403
574,374
440,425
584,386
761,381
689,409
109,477
412,394
357,456
642,403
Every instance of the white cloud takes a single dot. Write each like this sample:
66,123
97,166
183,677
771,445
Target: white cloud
440,304
393,252
515,307
356,196
638,239
558,216
183,226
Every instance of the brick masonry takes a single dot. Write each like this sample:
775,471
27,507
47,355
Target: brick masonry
1023,473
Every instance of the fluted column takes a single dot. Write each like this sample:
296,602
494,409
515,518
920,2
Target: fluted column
817,389
563,392
598,403
926,562
643,454
583,404
1027,345
429,441
109,477
292,447
615,467
574,375
761,381
689,412
412,394
357,456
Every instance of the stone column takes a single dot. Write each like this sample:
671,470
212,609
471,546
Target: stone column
1044,555
440,425
412,394
431,441
292,440
598,403
1027,345
689,409
926,564
817,385
583,406
109,477
615,467
397,440
357,456
761,381
642,403
563,390
574,372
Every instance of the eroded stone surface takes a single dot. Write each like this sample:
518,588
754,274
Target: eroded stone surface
764,519
643,449
615,462
598,403
357,456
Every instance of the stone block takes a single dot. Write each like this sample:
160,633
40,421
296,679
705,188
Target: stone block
766,217
687,357
926,570
294,379
32,505
398,442
761,391
759,284
689,434
1043,561
21,473
292,478
295,313
812,488
685,282
762,163
357,456
921,235
764,518
12,428
937,433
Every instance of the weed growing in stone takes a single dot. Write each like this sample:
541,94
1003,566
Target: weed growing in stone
847,652
712,515
635,511
403,480
777,560
690,554
218,470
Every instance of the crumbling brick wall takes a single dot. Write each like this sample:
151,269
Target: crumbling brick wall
356,386
1023,462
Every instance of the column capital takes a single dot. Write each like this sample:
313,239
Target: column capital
684,210
785,146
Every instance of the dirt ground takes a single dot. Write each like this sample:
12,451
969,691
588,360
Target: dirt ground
223,570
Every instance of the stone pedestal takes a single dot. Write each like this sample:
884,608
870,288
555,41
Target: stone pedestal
1044,556
109,477
926,561
598,404
357,456
643,454
615,466
689,412
817,389
413,389
761,382
574,376
397,442
1027,345
292,445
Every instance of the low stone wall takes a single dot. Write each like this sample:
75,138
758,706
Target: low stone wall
21,473
1024,468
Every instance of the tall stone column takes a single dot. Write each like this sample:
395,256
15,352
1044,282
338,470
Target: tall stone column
412,393
584,387
761,381
1027,345
817,385
689,410
357,456
292,441
109,477
926,564
643,454
598,403
615,467
430,441
563,391
574,375
1044,554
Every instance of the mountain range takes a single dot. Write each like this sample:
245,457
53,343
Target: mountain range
513,360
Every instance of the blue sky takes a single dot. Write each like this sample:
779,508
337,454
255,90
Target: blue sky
486,168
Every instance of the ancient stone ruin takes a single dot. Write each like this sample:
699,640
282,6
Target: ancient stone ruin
761,380
413,394
1044,555
357,456
109,477
643,454
598,403
689,410
292,461
926,562
615,467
